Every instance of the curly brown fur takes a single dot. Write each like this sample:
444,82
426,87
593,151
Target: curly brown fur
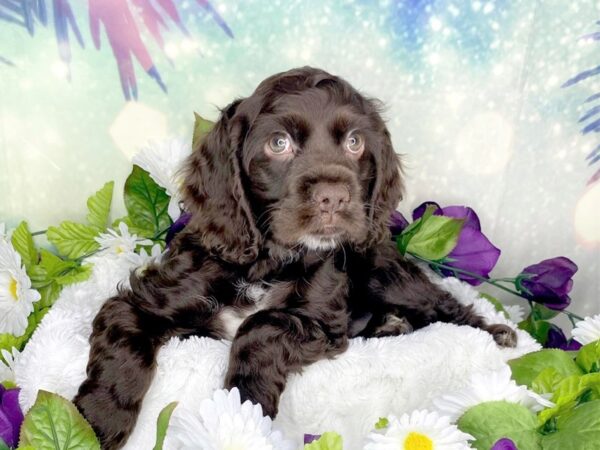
287,253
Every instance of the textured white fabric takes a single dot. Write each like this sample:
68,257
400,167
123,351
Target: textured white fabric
375,377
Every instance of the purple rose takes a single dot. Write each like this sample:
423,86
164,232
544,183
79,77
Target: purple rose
557,339
11,416
397,223
308,438
504,444
473,252
548,282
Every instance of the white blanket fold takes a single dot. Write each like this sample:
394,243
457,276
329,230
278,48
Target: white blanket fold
348,394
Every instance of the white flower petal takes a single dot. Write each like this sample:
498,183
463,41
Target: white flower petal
7,368
587,330
516,313
489,386
423,424
122,243
16,295
224,422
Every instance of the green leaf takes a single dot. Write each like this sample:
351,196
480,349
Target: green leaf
570,392
495,303
3,445
490,421
73,240
146,202
547,381
538,329
526,368
22,241
327,441
49,295
578,429
540,312
408,233
54,266
383,422
53,423
53,270
75,275
435,238
99,206
162,423
201,129
588,357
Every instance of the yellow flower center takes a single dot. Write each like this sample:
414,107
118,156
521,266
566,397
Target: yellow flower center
417,441
120,249
12,288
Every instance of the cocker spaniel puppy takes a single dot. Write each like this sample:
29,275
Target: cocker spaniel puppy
287,253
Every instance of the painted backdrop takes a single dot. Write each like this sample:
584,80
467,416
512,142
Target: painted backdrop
494,104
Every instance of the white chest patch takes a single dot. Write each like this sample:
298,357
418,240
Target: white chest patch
232,317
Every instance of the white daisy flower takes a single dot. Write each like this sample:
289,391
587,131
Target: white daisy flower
120,243
516,313
223,422
419,430
7,369
16,295
486,387
587,330
142,259
163,161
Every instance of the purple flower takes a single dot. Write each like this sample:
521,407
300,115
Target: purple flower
557,339
473,252
397,223
308,438
177,226
11,416
504,444
548,282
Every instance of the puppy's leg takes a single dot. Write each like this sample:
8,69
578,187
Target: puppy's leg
166,301
120,369
272,344
397,282
450,310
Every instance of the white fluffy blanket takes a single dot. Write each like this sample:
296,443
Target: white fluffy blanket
374,378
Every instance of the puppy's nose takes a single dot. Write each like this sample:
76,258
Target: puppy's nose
331,197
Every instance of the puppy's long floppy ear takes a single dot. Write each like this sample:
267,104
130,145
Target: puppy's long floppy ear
387,190
213,193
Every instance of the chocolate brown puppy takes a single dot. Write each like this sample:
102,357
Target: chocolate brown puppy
287,253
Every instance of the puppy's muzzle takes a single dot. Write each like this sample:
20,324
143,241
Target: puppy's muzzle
331,199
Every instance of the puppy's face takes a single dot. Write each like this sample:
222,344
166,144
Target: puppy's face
310,160
304,161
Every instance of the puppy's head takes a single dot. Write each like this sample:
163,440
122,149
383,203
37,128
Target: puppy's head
305,161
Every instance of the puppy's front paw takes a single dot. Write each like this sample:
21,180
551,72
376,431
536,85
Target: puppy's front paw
393,326
504,335
251,389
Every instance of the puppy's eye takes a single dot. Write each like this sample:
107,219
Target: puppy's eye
279,144
355,143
